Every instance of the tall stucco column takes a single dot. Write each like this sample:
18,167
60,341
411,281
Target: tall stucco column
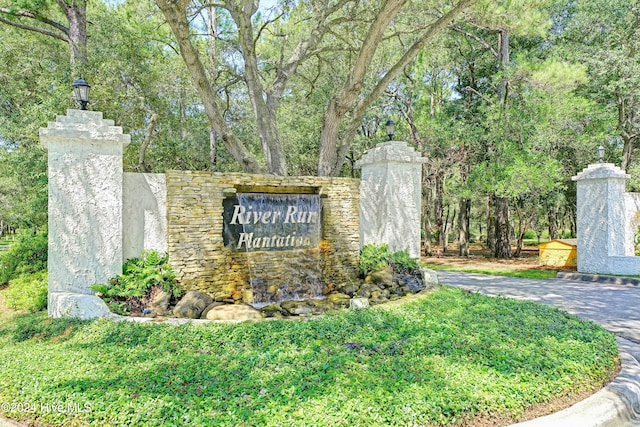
601,217
390,197
85,210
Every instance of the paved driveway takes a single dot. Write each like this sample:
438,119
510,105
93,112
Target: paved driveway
616,307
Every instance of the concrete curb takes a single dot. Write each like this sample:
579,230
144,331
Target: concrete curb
5,422
616,405
599,278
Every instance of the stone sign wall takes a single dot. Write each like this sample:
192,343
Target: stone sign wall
205,262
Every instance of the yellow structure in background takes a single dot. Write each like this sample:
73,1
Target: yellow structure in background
559,252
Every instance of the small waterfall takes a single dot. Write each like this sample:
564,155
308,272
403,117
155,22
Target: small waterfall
281,234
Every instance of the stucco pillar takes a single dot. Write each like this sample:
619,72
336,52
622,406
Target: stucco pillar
601,217
85,210
390,197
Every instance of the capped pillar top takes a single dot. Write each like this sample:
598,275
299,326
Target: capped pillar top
82,125
601,171
391,151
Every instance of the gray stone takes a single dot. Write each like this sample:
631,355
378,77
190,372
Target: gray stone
160,303
192,305
358,303
429,278
234,312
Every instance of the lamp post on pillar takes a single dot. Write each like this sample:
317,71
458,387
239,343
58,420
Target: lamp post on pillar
81,92
85,207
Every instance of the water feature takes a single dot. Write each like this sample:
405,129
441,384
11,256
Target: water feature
281,235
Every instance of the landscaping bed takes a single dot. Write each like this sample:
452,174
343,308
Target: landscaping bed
449,357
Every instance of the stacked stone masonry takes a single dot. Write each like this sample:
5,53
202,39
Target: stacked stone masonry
195,223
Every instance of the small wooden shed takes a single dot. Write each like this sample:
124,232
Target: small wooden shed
559,252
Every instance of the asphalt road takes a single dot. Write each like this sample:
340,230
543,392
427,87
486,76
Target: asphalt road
616,307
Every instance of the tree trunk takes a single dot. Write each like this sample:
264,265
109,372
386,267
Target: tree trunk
447,229
265,117
175,13
142,167
502,228
491,224
553,223
76,13
463,227
333,152
438,208
427,193
213,148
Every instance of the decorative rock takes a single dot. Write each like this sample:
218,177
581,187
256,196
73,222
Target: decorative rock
429,278
192,305
273,310
209,308
383,276
234,312
339,300
160,303
302,308
349,288
358,303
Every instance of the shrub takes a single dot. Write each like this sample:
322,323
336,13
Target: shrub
402,262
27,292
27,255
139,276
374,257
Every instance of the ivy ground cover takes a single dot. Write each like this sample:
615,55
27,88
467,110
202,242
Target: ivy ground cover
446,358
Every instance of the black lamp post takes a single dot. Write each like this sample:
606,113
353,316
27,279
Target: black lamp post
601,154
81,92
390,126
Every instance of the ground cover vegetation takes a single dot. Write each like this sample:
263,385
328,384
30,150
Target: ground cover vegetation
445,358
23,275
507,99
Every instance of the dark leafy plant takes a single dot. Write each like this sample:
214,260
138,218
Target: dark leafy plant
26,256
139,276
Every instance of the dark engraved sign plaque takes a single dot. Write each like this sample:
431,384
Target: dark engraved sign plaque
272,222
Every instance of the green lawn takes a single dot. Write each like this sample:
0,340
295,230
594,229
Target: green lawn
438,359
531,273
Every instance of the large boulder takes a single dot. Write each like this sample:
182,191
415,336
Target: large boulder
234,312
210,307
192,305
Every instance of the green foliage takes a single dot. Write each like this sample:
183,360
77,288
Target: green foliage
446,358
27,255
27,292
138,276
374,257
402,262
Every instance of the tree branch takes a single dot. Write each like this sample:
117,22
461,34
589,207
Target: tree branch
34,29
477,39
